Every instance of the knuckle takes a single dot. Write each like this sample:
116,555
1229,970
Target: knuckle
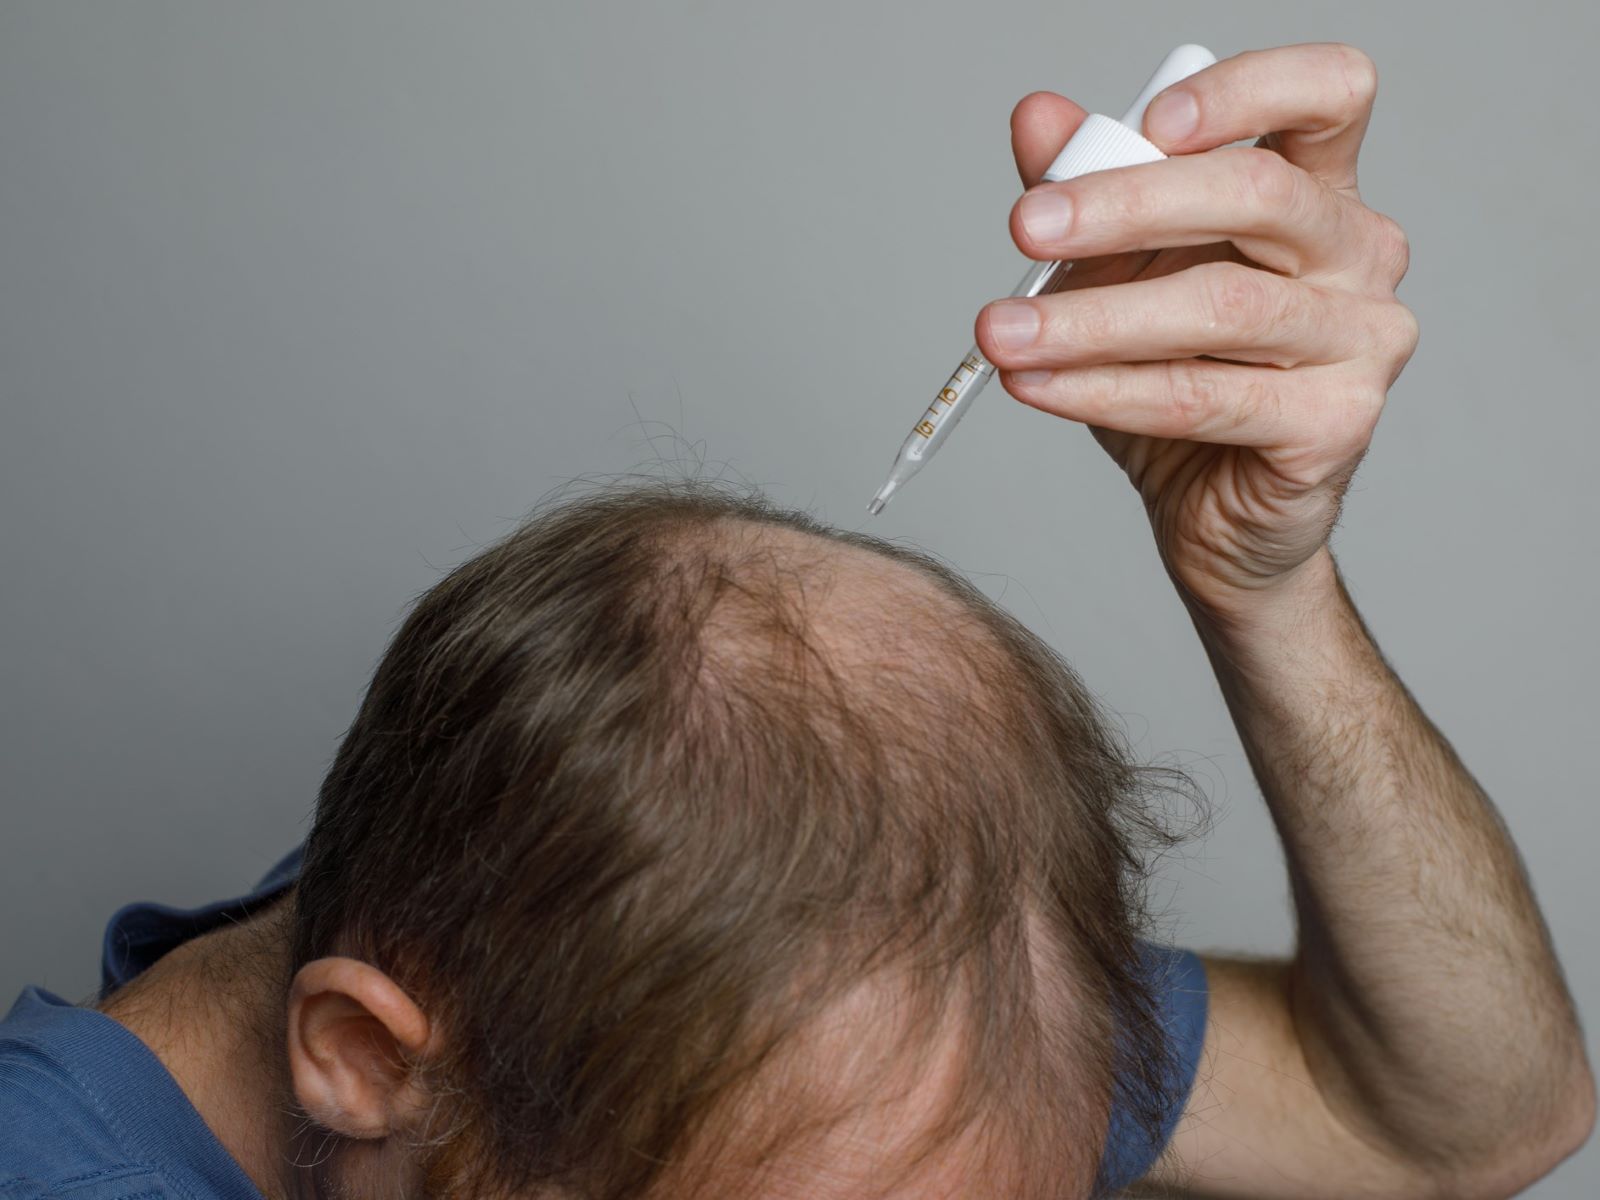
1269,180
1394,249
1109,205
1201,399
1259,399
1241,300
1090,322
1191,392
1402,335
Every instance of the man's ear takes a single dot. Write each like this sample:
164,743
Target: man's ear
352,1039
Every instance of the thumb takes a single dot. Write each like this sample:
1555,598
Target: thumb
1041,123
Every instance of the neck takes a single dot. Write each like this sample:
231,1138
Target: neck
212,1011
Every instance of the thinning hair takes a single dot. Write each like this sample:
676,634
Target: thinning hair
646,798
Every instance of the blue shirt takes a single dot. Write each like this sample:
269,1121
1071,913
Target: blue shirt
87,1112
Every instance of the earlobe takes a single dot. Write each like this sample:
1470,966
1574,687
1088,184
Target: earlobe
353,1034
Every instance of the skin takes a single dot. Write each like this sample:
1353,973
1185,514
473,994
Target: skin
273,1081
1420,1042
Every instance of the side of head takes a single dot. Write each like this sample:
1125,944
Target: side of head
685,846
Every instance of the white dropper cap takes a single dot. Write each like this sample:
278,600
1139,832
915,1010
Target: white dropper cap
1102,141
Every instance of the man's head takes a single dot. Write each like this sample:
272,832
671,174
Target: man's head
684,846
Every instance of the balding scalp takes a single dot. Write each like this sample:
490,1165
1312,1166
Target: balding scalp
648,798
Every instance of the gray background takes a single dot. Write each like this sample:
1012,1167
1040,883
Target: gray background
301,304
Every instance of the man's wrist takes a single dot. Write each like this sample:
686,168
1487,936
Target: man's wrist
1260,628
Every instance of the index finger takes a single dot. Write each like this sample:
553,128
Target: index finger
1311,102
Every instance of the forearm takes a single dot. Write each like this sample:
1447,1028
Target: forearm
1424,989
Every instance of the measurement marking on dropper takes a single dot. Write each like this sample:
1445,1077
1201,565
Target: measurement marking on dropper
949,394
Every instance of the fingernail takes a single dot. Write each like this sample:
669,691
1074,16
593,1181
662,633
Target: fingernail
1013,324
1029,378
1172,116
1045,216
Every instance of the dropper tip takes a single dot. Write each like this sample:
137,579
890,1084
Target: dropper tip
882,498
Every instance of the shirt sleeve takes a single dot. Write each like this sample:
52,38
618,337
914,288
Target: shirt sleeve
284,873
1178,980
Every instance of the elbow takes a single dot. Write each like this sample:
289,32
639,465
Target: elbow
1528,1154
1580,1123
1571,1125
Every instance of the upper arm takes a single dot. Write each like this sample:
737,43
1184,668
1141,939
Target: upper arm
1256,1126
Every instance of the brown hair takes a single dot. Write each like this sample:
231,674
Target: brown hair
619,812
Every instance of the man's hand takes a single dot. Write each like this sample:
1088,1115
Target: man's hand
1230,334
1236,374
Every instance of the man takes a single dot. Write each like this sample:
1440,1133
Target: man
659,863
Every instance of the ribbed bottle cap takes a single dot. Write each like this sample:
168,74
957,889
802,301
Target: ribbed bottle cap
1103,142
